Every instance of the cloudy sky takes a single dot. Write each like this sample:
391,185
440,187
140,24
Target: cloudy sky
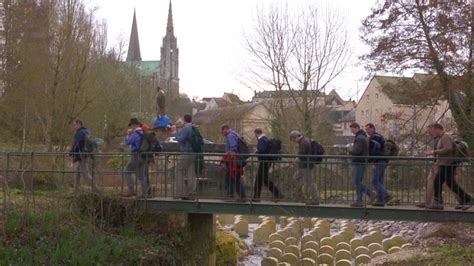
211,38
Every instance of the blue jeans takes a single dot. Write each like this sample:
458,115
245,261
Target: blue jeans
377,180
358,171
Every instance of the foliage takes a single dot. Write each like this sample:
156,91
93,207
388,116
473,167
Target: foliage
435,36
54,239
451,254
57,68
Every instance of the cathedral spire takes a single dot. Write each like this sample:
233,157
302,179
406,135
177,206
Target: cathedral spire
169,27
134,44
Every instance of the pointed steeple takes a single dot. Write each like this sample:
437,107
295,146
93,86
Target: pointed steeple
169,26
134,44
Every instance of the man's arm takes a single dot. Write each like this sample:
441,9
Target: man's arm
183,135
447,147
358,146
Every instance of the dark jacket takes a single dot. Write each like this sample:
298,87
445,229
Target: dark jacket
263,147
304,146
78,146
381,140
361,147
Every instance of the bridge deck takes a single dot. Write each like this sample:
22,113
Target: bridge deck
408,213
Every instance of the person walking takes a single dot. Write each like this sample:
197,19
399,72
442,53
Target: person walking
379,168
445,149
80,157
433,171
137,162
304,174
359,152
264,164
186,163
232,164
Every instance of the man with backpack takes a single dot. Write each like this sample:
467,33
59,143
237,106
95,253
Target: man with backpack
304,173
380,164
264,163
233,163
138,161
445,149
80,155
191,143
360,151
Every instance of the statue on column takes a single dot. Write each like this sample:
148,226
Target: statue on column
160,102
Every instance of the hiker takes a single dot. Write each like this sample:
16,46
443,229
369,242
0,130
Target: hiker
445,148
186,163
264,164
359,152
232,164
433,171
303,176
137,162
383,196
80,156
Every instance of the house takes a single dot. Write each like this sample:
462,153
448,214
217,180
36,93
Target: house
228,99
401,106
243,118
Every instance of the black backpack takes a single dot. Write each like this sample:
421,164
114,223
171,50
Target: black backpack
196,140
274,147
90,144
244,149
390,148
316,149
150,144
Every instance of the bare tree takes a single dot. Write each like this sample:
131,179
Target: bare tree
297,54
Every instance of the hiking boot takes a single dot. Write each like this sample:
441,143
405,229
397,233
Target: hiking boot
388,198
255,199
421,205
435,206
378,204
241,200
313,203
463,206
357,204
372,196
128,194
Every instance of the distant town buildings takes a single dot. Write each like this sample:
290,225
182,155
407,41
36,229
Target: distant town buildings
402,106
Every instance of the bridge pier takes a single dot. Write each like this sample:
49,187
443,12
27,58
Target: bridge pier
202,230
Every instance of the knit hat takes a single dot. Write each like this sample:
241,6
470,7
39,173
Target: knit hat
295,134
134,121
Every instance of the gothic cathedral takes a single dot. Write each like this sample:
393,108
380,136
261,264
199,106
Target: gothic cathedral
165,73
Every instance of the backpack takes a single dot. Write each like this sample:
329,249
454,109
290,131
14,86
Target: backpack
196,140
316,149
243,147
390,148
461,150
90,142
150,144
274,147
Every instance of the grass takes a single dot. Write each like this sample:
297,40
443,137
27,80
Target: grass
60,235
450,254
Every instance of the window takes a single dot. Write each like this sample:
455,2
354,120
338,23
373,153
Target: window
366,113
362,114
376,96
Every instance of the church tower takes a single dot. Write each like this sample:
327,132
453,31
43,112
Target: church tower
133,54
168,74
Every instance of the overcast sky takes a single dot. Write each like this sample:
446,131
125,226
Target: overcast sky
211,39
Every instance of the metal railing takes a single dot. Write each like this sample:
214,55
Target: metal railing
405,177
